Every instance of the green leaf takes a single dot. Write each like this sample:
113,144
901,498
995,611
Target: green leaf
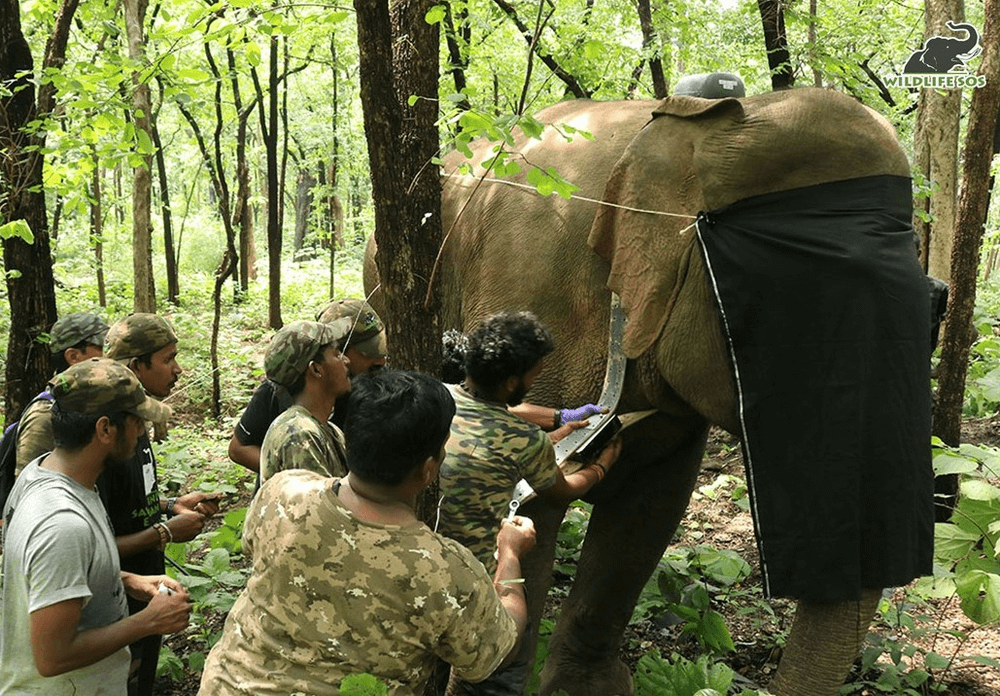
19,229
950,462
980,593
715,633
532,127
593,49
982,660
435,15
362,685
952,543
193,74
935,661
977,489
412,99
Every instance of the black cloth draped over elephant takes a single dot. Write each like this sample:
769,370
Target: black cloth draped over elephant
826,312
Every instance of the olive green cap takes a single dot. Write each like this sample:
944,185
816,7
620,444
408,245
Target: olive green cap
104,386
294,346
136,335
367,332
76,328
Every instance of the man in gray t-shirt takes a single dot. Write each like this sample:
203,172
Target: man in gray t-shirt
63,611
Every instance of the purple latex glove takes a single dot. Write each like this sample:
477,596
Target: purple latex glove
573,414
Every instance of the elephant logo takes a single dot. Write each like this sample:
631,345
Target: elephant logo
942,54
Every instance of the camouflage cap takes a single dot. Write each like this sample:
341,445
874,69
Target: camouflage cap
294,346
77,327
367,330
104,386
138,334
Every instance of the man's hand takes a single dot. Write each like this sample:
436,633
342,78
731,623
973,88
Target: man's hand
564,430
517,536
609,455
206,504
582,413
144,587
186,525
167,613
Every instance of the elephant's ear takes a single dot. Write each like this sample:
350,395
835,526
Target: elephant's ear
645,230
693,107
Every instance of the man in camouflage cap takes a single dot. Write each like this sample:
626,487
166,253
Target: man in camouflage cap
384,594
147,344
76,337
365,347
304,359
64,586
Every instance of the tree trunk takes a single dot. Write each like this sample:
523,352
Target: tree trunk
772,15
304,185
97,231
142,239
651,47
973,207
817,75
935,152
173,282
406,189
30,285
269,134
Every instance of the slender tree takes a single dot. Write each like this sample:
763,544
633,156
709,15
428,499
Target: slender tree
651,47
935,151
772,15
142,239
97,230
30,285
973,208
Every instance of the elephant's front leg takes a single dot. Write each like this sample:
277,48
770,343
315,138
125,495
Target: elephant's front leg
627,536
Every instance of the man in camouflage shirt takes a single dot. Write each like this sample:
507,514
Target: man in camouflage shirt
366,350
74,338
346,579
303,358
491,449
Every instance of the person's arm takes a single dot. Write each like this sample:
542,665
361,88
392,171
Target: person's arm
183,526
569,487
245,455
551,418
58,647
516,538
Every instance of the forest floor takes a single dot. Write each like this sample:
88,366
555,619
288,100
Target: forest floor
758,627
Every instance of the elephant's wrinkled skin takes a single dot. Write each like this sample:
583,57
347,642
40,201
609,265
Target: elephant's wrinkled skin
513,249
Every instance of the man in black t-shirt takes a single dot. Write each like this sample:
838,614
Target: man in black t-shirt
365,347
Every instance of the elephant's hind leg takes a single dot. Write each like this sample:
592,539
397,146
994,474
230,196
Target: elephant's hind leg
824,641
628,533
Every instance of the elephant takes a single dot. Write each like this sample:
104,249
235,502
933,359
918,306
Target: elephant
941,53
630,229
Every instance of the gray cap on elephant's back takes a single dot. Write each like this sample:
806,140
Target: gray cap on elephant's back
717,85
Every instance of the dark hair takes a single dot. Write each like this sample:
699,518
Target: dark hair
453,346
395,420
506,345
59,357
73,431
